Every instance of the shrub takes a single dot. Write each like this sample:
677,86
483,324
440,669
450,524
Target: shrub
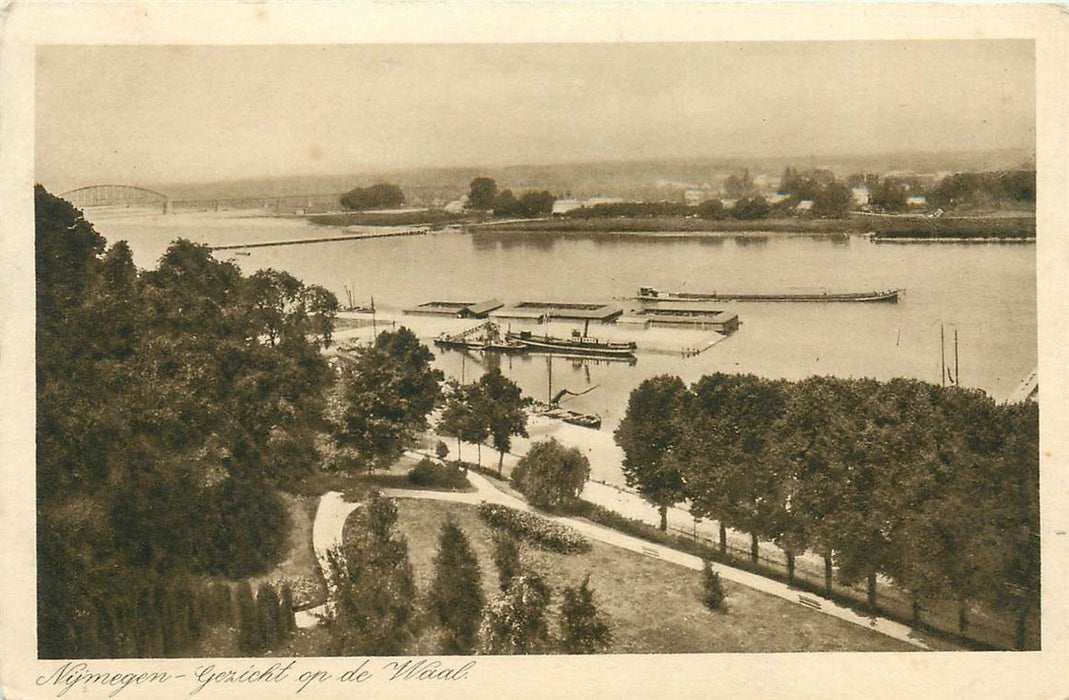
540,531
441,449
434,474
583,627
515,621
506,558
712,589
551,475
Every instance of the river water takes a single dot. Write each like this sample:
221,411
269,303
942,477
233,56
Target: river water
984,292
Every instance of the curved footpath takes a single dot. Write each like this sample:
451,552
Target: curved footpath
333,511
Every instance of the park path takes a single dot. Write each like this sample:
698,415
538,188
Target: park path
333,511
486,491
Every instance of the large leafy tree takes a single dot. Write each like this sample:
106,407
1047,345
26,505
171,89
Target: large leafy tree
550,474
503,403
465,416
482,193
386,392
651,428
162,405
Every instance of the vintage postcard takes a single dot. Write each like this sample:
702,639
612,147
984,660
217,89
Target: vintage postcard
520,350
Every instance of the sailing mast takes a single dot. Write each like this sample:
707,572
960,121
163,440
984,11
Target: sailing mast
942,358
957,377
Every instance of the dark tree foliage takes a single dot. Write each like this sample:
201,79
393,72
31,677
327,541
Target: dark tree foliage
374,588
507,558
935,488
267,608
466,415
533,203
456,594
583,628
503,403
170,404
482,193
650,429
379,196
386,392
747,208
251,640
550,474
712,590
712,209
515,621
985,189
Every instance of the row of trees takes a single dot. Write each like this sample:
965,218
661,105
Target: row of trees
383,195
483,195
171,404
935,488
491,407
376,607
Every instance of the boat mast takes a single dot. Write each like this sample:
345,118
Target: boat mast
957,377
942,358
549,369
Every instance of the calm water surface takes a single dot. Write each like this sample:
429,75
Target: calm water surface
985,292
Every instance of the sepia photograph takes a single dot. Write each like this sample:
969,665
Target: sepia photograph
419,354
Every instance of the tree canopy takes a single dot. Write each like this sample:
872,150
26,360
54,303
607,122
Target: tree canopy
550,474
383,195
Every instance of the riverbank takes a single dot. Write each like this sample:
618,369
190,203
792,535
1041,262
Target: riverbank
911,227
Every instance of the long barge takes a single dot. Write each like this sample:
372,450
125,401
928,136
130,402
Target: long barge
577,345
887,296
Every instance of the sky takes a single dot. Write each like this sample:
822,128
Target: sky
159,114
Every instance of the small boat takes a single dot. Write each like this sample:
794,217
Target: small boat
583,420
578,345
651,294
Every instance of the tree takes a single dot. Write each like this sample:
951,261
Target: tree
712,209
456,595
373,585
712,589
503,403
381,195
550,474
482,193
746,208
267,605
386,392
833,201
650,429
507,204
739,185
537,203
250,633
465,415
507,558
583,627
515,621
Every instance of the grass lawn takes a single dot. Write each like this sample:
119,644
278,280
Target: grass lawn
653,606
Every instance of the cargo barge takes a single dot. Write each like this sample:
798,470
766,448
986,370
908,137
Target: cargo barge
888,296
577,345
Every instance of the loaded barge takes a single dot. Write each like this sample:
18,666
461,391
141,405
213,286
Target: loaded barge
651,294
577,345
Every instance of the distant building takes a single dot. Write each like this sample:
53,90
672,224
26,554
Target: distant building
776,197
695,197
916,200
457,205
563,206
861,195
804,206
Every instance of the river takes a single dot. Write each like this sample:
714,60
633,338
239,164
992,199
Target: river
984,292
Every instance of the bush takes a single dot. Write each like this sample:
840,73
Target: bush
437,475
506,558
551,475
540,531
712,589
441,449
584,629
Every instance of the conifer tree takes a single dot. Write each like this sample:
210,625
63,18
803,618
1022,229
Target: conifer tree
583,627
456,595
515,621
267,605
712,589
250,636
506,557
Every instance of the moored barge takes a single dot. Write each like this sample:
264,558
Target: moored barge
889,296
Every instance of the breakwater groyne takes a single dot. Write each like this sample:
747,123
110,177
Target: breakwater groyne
322,239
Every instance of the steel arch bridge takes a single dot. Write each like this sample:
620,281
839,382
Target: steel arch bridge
117,196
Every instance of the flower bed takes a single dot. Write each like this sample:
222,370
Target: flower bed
537,530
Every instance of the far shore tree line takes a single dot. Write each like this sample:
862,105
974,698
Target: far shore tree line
827,196
936,488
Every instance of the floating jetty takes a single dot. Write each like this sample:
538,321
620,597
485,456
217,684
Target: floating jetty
690,315
543,311
486,337
322,239
650,294
458,309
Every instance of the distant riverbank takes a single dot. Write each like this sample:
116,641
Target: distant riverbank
913,227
